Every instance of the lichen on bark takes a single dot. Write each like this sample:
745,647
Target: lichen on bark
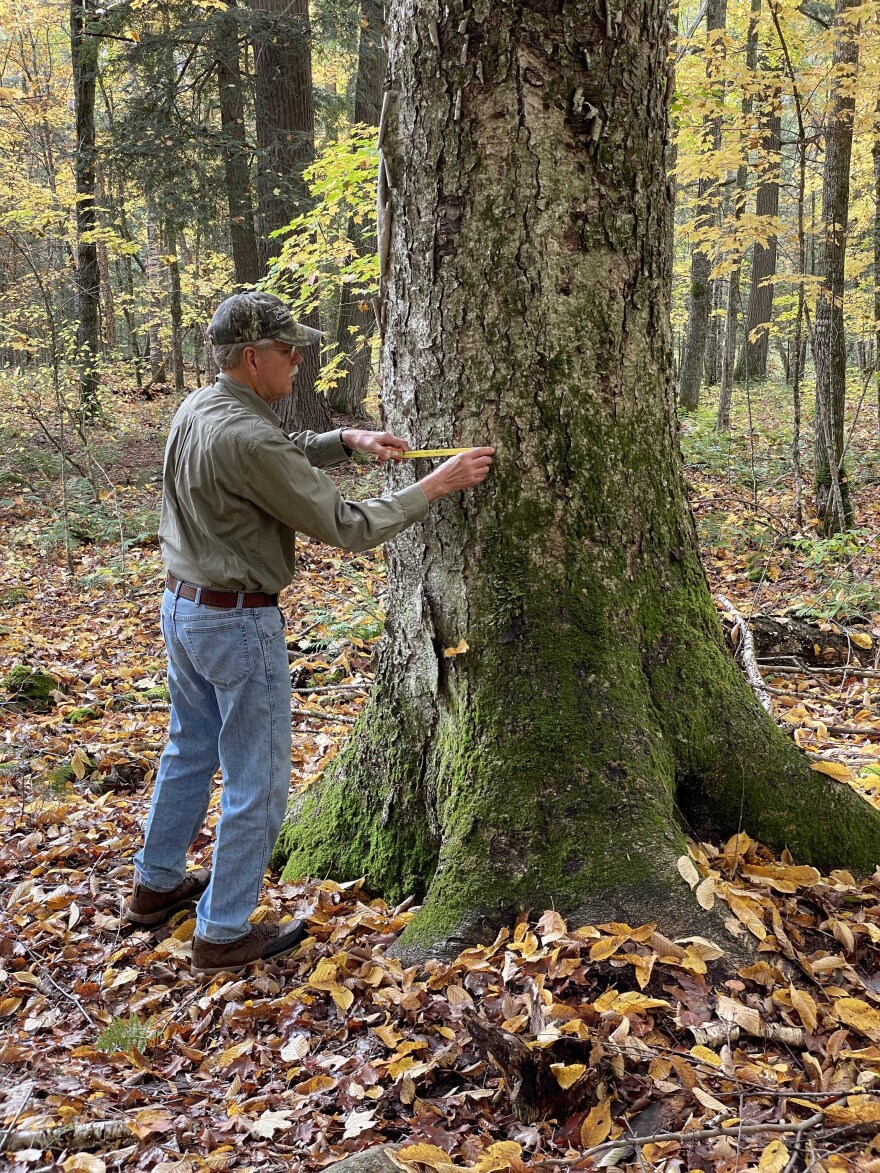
596,716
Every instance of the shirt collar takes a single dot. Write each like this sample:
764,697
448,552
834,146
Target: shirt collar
248,397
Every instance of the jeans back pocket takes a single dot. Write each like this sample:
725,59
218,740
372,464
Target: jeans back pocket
218,650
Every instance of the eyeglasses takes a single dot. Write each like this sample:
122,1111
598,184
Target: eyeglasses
283,348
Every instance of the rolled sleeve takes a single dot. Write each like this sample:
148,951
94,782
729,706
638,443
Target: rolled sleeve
321,449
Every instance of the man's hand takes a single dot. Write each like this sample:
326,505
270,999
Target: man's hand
382,445
459,472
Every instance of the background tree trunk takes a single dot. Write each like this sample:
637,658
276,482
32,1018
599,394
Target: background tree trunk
833,505
552,763
876,151
175,307
285,115
285,123
242,233
700,300
158,372
84,60
753,359
108,313
356,321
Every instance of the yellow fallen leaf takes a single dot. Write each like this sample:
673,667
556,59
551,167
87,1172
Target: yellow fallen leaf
833,769
388,1035
497,1157
232,1053
858,1109
422,1154
632,1002
185,930
341,995
597,1125
805,1006
749,913
706,1056
862,640
318,1083
325,971
567,1075
460,648
512,1025
854,1012
774,1158
606,948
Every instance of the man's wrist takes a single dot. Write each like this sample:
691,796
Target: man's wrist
349,448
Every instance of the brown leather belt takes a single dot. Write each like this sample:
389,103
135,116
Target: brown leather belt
212,598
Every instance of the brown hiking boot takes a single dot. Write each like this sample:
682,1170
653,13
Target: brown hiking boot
149,907
262,943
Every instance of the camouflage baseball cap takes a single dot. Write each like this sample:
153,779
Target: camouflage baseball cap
251,317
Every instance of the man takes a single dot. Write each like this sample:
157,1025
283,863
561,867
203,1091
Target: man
235,490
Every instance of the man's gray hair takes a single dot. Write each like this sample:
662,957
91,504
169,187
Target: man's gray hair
228,357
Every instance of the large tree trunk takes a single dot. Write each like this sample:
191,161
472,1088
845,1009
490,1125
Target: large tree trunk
242,233
833,505
555,761
356,320
701,288
84,60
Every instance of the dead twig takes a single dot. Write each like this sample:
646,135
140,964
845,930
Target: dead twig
746,652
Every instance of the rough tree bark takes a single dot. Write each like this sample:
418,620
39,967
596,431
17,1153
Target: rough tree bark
731,323
756,343
596,711
242,233
355,321
175,305
876,154
285,126
833,506
701,291
157,310
84,61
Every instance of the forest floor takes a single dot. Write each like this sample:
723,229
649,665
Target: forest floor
114,1056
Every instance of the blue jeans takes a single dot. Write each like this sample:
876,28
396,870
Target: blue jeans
229,680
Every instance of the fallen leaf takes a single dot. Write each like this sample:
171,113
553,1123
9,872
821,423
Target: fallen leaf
774,1157
597,1124
567,1075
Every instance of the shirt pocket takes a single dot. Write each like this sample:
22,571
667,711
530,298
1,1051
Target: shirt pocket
218,650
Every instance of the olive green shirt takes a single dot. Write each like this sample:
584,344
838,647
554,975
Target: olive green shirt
236,489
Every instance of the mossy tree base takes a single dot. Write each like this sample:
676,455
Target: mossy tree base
597,715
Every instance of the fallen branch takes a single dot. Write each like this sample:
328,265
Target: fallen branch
799,1128
67,1136
330,718
772,669
746,652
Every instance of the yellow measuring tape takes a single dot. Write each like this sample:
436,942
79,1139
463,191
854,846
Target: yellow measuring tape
433,452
